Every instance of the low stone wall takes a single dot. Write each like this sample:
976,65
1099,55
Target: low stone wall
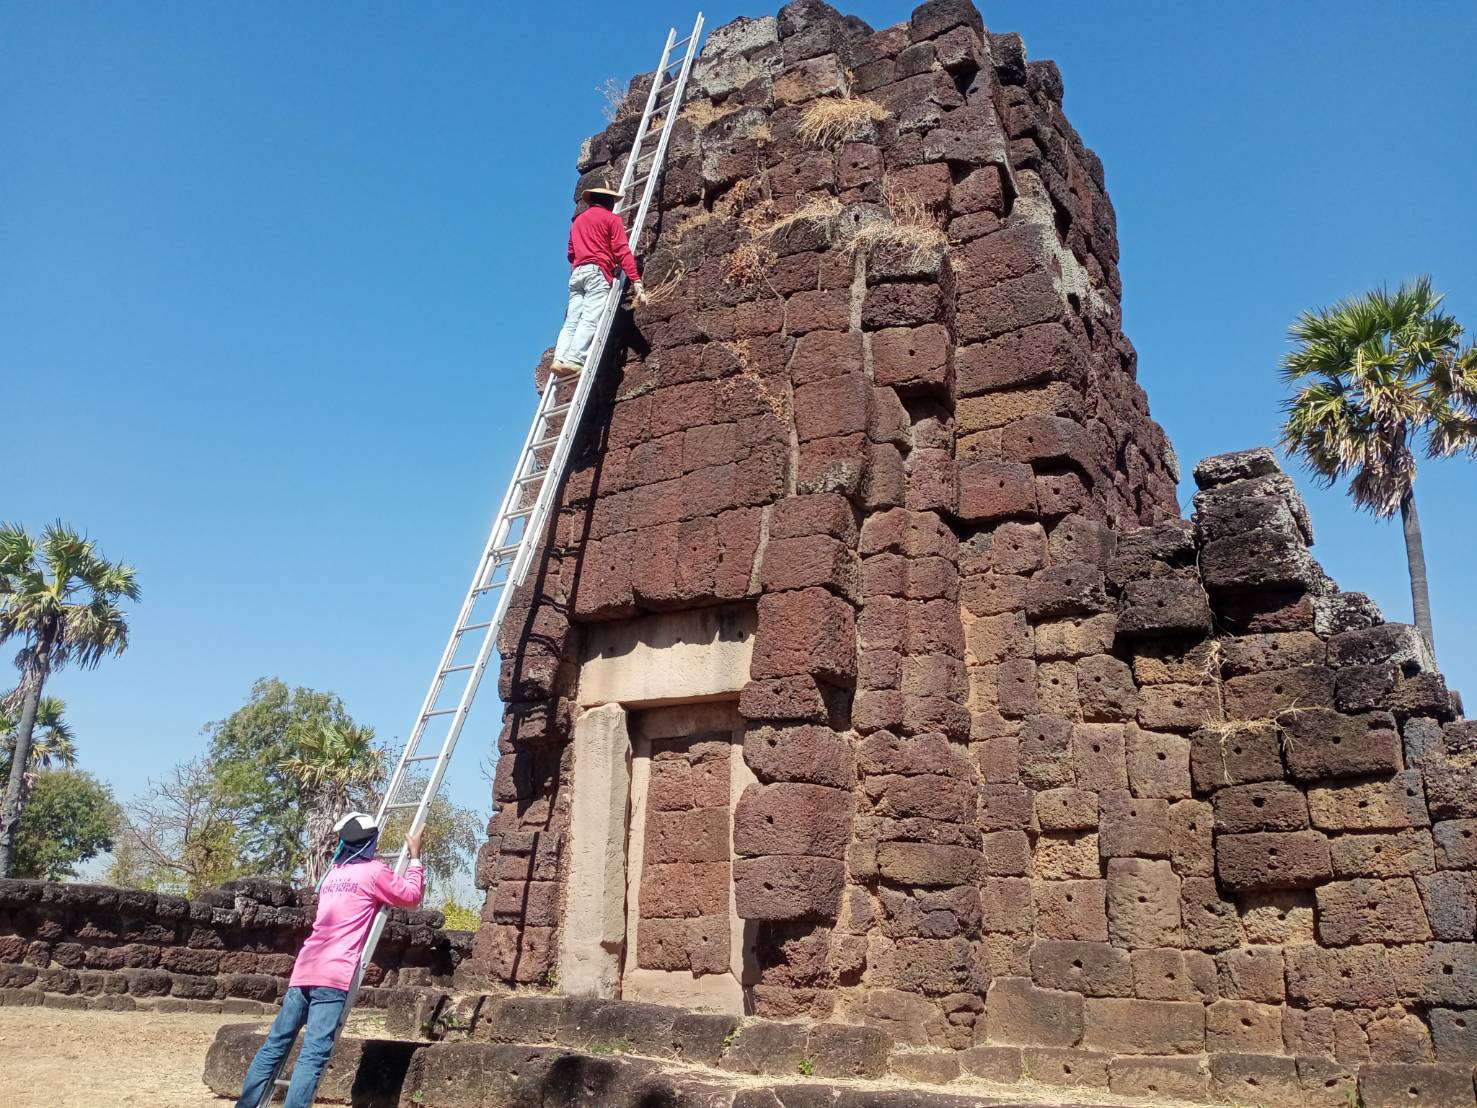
230,950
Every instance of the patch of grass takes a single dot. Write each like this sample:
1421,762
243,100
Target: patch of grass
704,113
822,210
910,228
839,119
749,263
614,94
806,1067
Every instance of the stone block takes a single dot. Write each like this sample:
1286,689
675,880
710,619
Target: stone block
1363,688
1178,707
1163,606
1151,1078
1393,804
1143,903
1261,1079
1073,1068
1396,644
1451,903
1456,843
1191,838
1235,754
818,561
1276,651
1242,1027
839,1050
1158,764
791,818
1210,923
1066,856
1006,905
1384,1086
1067,809
1006,808
1454,1032
1001,1064
809,631
1168,973
1443,974
911,359
1092,969
1068,589
926,1067
994,490
1346,977
1251,973
1366,910
1322,744
784,888
1255,560
1017,548
1264,695
766,1046
1273,860
1133,827
1106,689
1074,637
1144,1026
1045,752
1098,753
1264,806
1071,910
817,755
1018,1013
1451,791
927,864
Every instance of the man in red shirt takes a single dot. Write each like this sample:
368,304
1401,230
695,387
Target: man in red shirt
597,245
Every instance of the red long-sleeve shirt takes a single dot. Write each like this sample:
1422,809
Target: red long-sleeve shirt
597,236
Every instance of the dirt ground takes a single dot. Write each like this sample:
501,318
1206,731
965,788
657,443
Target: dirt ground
54,1058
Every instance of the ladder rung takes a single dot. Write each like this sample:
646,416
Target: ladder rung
557,409
281,1082
520,513
422,758
538,476
440,712
473,627
544,444
492,587
459,669
402,805
508,551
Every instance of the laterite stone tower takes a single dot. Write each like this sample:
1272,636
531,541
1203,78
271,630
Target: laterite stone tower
870,673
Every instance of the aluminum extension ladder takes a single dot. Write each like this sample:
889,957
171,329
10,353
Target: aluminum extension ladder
524,514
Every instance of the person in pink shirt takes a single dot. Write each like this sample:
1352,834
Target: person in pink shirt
597,248
350,894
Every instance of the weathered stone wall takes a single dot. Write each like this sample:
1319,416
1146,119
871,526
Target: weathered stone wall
94,946
1040,764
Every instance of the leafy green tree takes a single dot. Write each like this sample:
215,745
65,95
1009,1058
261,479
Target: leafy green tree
59,599
53,744
1378,377
249,757
71,818
334,764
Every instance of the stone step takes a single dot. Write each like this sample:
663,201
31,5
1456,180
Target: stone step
377,1073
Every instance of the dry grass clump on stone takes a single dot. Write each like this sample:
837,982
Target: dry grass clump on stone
910,229
839,119
666,287
749,264
703,113
819,210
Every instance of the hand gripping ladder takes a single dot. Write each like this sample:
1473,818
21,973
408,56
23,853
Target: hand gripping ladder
524,515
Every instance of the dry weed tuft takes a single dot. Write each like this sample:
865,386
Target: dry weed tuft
832,120
822,210
749,264
664,289
910,227
615,99
704,113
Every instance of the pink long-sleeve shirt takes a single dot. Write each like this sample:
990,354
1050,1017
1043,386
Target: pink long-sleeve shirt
347,902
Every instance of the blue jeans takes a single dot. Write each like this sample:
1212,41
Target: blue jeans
318,1007
588,289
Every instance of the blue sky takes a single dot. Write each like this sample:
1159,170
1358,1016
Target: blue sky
273,278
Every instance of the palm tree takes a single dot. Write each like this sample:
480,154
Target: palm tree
1377,376
60,599
53,743
334,764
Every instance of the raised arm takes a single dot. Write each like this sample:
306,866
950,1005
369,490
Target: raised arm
402,892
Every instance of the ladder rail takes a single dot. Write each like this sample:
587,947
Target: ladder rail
535,518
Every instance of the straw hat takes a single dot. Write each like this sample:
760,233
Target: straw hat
614,194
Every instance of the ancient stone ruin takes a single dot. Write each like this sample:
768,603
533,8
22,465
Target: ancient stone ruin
874,711
872,675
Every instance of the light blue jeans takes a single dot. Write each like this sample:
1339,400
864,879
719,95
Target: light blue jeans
587,290
318,1007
